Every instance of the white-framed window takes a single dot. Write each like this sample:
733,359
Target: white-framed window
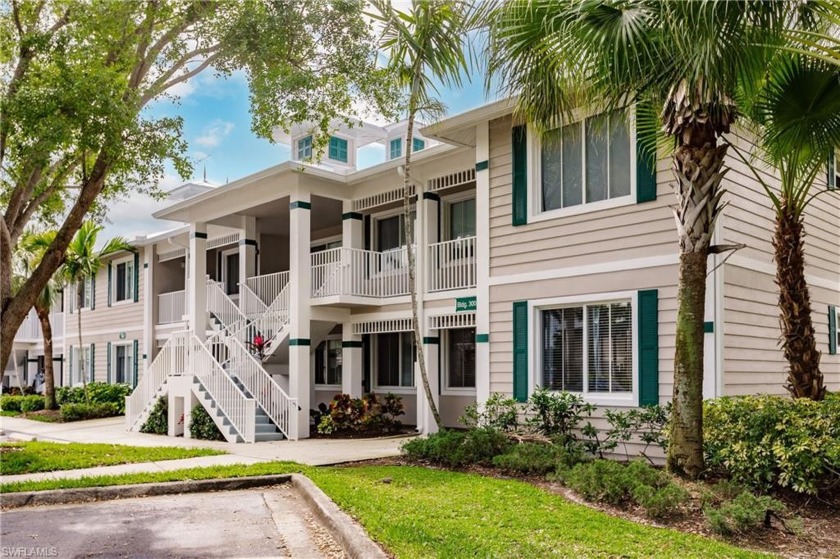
230,271
122,363
460,218
395,148
586,345
304,148
122,280
328,361
80,364
418,144
834,171
81,295
459,356
394,357
582,166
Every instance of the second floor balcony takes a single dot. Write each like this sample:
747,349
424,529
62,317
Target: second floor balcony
30,328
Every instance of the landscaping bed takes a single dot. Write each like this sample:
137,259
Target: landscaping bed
75,404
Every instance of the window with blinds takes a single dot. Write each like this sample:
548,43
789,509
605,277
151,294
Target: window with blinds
588,348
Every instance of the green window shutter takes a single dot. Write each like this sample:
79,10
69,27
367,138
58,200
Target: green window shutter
92,362
831,178
108,363
71,365
136,349
338,149
110,286
136,277
645,166
648,313
832,330
92,292
519,161
520,351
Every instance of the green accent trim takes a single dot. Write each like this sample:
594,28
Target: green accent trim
337,150
352,215
431,340
431,196
520,175
108,364
198,235
300,204
299,341
110,273
145,265
708,327
136,277
648,348
351,344
92,376
645,172
482,165
482,338
832,330
831,177
248,242
145,357
92,292
520,351
136,348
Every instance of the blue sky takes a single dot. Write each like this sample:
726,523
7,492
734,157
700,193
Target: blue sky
217,127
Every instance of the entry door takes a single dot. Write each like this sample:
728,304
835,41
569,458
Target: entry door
230,272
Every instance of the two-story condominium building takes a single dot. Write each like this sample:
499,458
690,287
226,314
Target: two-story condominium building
546,262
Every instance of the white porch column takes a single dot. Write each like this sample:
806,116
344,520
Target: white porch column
430,228
482,250
351,362
198,279
247,251
300,380
352,227
150,306
431,349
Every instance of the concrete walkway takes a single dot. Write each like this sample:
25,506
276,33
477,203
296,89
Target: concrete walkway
313,452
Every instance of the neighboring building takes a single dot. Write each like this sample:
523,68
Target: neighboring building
538,265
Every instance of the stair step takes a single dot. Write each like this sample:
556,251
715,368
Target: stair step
271,428
263,437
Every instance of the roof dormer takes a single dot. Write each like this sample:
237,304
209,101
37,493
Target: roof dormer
396,140
340,152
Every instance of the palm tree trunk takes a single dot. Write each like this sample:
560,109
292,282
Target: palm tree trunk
82,353
49,374
805,380
412,286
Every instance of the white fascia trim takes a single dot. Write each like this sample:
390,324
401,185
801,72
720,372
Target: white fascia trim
589,269
112,331
370,317
770,269
449,294
489,111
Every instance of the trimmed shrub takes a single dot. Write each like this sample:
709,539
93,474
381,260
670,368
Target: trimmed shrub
79,412
766,441
458,448
202,426
557,413
538,458
32,403
659,502
743,513
99,392
11,402
498,412
158,421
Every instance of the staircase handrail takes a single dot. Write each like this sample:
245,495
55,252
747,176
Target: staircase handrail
170,360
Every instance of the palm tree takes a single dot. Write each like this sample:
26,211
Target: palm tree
81,262
679,63
797,112
424,43
32,247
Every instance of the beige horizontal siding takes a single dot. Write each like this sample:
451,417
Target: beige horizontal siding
502,298
753,360
626,232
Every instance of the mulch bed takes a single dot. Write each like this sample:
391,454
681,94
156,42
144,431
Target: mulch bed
819,536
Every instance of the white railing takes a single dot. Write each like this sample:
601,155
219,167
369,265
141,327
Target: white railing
30,328
267,287
269,324
362,273
222,307
239,409
170,360
452,264
57,323
172,307
249,303
238,361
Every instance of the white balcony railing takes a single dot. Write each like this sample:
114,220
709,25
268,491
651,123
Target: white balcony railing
172,307
223,307
361,273
452,264
268,286
171,360
57,323
30,328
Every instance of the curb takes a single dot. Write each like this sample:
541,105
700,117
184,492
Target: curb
347,531
342,527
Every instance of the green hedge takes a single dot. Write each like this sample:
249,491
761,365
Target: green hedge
767,441
10,402
32,403
202,426
458,448
99,393
79,412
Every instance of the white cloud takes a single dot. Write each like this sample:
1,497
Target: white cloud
213,133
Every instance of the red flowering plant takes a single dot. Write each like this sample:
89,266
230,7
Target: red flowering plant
258,345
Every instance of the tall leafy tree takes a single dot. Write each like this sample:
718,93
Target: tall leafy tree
425,44
32,247
81,263
679,63
76,77
796,109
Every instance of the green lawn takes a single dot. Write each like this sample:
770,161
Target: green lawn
433,513
47,457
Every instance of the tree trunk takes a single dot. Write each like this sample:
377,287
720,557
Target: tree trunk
685,449
805,380
412,286
49,374
81,357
